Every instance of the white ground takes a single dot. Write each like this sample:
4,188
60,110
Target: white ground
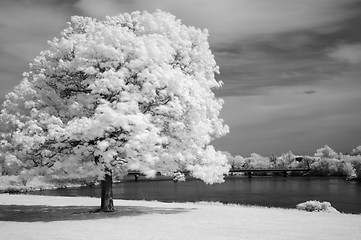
194,221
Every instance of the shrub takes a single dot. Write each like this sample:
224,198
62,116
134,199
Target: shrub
179,177
307,161
353,162
356,151
257,161
285,160
238,161
348,169
316,206
320,168
326,152
357,166
329,167
9,180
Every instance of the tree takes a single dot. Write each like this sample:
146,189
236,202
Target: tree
132,91
257,161
356,151
326,152
285,160
238,161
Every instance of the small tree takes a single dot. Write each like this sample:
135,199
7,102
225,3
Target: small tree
307,161
326,152
239,161
356,151
285,160
133,91
257,161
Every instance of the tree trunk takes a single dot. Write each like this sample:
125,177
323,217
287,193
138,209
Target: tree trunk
107,193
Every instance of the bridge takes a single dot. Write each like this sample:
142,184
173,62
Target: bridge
285,171
249,172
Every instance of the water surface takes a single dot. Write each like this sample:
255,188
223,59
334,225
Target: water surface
265,191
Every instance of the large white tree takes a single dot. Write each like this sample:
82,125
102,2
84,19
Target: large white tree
133,91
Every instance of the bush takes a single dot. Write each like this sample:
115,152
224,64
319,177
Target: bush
10,180
329,167
11,165
348,169
356,151
256,161
357,166
14,184
320,168
307,161
352,166
316,206
236,162
39,182
61,181
26,175
11,184
326,152
285,160
179,177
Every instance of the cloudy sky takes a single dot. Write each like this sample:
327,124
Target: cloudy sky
291,68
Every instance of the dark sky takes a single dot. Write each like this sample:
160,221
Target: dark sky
291,68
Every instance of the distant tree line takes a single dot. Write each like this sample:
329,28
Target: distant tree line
325,162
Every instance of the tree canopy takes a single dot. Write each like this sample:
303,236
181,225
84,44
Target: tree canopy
133,91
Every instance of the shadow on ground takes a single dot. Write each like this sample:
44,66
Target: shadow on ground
21,213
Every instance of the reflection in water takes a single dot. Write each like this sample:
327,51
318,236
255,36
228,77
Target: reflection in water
265,191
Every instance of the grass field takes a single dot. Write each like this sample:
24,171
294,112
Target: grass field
42,217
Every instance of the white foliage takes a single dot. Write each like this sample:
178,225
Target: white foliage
179,177
316,206
211,166
235,162
285,160
133,91
258,161
356,151
326,152
239,161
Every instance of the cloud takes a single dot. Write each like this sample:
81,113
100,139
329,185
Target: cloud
25,27
309,92
283,91
284,118
233,20
349,53
250,67
256,43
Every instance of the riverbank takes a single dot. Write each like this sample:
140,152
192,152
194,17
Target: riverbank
44,217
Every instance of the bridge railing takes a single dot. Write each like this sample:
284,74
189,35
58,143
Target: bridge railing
285,171
270,170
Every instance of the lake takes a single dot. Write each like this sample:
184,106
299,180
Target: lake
264,191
